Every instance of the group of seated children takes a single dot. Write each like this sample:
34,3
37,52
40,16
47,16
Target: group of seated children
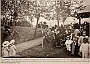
8,48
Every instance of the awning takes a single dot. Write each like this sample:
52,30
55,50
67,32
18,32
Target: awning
85,20
87,9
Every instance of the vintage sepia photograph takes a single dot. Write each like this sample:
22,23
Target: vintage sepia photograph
45,28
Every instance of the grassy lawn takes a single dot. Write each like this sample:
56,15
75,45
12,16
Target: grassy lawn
24,34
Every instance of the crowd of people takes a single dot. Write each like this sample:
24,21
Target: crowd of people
78,42
79,45
74,37
55,35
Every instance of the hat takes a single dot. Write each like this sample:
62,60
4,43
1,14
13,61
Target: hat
5,43
67,36
12,41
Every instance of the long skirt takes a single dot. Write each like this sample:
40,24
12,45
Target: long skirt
73,48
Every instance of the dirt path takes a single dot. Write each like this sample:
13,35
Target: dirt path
46,52
25,45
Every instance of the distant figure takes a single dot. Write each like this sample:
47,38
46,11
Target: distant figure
84,48
12,51
7,29
77,32
5,49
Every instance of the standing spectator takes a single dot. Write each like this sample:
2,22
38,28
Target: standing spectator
72,36
58,37
5,49
86,27
76,50
12,51
81,30
54,40
68,44
89,47
66,31
77,32
84,48
80,40
7,29
73,46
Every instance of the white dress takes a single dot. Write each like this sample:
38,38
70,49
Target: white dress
89,50
5,52
84,48
68,44
12,51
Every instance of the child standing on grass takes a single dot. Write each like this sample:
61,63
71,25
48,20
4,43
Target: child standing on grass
5,49
12,51
68,44
84,48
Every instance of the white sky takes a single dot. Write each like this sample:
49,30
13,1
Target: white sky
87,2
